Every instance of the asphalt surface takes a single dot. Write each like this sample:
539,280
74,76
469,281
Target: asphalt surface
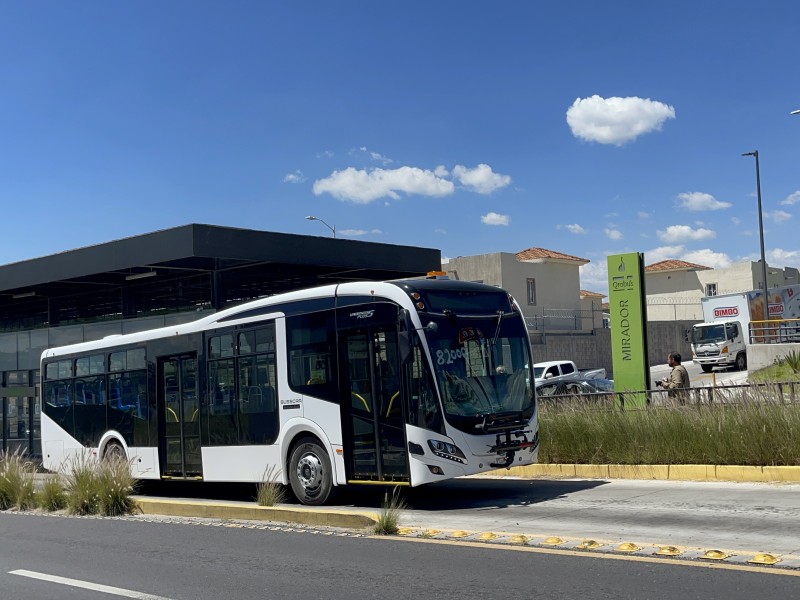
199,560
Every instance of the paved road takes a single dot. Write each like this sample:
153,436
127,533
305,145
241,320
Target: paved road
729,516
699,379
175,561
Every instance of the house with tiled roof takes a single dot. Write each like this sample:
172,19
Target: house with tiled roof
674,287
546,283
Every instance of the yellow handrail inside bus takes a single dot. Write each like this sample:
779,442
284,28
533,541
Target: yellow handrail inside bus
391,401
360,397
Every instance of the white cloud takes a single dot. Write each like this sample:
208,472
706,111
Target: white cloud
735,220
363,187
708,258
594,276
493,218
779,256
643,215
791,199
481,179
613,234
779,216
440,231
662,253
441,171
296,177
684,233
616,120
358,232
705,257
575,228
376,156
325,154
697,201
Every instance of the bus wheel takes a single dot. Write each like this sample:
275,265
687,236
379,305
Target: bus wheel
310,472
706,368
114,451
741,361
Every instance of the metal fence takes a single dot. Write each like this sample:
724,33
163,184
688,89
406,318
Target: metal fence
562,319
729,395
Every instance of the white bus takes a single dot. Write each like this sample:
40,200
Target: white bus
402,383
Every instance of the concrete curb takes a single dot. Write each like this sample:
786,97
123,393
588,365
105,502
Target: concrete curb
252,512
729,473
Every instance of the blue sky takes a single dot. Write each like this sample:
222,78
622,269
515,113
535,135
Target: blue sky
584,127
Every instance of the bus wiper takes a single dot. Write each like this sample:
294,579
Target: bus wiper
500,315
451,316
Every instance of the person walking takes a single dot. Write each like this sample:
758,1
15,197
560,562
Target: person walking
678,380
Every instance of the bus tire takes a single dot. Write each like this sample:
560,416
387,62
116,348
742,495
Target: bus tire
310,473
706,368
114,451
741,361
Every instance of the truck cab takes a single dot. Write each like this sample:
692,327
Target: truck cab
719,344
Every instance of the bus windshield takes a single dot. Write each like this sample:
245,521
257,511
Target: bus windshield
482,366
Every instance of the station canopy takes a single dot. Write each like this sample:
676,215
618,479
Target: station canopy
191,267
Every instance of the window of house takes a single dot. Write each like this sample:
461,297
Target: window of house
711,289
531,291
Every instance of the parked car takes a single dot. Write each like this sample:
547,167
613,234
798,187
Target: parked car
596,388
563,370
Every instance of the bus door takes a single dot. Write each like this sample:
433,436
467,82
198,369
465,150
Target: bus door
179,417
373,405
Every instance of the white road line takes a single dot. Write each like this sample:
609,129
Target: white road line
106,589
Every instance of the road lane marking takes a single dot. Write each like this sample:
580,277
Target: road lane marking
87,585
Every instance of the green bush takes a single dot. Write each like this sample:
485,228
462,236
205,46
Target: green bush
757,429
270,491
114,485
389,517
52,495
16,482
83,496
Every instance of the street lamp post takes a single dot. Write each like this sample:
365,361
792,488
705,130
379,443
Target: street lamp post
761,234
312,218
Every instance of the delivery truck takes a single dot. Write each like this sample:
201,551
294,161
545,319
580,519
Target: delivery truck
725,333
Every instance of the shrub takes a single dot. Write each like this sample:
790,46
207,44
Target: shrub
389,517
751,427
16,482
115,484
83,496
53,496
270,491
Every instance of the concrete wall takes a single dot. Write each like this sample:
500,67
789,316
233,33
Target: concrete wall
593,350
763,355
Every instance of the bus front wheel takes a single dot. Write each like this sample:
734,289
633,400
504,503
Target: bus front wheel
114,451
310,472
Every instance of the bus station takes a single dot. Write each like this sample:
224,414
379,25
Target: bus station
159,279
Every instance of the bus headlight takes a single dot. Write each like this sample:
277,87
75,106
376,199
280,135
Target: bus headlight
447,450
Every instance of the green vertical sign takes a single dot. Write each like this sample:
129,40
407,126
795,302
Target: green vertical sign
628,312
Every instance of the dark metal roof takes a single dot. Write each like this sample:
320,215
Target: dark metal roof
198,248
192,265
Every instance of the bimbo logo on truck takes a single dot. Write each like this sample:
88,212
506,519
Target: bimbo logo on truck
726,311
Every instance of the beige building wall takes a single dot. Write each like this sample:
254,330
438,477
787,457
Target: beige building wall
556,283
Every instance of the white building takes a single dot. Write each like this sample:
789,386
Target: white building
674,287
546,284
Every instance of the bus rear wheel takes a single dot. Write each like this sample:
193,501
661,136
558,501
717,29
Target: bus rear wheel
310,473
114,451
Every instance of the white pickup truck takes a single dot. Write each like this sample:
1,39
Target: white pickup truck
557,370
